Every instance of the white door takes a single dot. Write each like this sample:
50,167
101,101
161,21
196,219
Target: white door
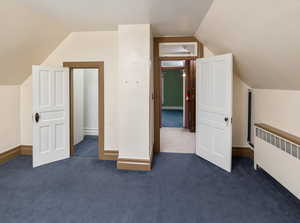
51,129
214,110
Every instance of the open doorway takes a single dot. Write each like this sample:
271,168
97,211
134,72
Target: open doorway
176,131
172,94
86,109
175,93
85,112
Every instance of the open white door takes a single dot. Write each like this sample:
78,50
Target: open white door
51,129
214,110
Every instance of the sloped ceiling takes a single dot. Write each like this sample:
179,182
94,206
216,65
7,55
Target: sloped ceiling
167,17
27,38
264,37
31,29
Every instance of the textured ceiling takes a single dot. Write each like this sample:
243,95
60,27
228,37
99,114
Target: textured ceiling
32,29
264,37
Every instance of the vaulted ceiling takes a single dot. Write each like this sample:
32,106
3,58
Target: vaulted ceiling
31,29
27,37
264,37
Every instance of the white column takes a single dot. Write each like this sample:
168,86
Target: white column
134,91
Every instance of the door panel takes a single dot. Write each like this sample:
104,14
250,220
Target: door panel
50,114
214,110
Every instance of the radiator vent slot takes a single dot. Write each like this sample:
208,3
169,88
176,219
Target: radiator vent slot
286,146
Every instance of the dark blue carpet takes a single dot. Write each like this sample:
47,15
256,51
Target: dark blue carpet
88,147
181,188
172,118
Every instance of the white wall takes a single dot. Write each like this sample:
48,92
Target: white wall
82,46
134,91
207,52
78,105
9,117
26,112
91,102
239,113
278,108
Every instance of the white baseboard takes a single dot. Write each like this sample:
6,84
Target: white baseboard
91,131
172,108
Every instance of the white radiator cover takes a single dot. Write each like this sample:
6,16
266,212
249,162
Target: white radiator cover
279,158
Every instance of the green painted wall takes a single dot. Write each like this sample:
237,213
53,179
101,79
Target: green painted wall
173,95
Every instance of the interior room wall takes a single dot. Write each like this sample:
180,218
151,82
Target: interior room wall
9,117
173,89
134,91
82,46
91,102
278,108
78,105
26,111
239,112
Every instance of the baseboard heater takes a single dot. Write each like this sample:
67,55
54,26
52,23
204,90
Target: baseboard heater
278,153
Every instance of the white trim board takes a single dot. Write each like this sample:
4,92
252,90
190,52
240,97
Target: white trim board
91,131
172,108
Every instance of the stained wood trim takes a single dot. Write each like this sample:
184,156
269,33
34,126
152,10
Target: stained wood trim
26,150
178,58
89,65
71,101
134,160
9,155
14,152
243,152
280,133
172,68
109,155
157,95
176,39
134,164
84,64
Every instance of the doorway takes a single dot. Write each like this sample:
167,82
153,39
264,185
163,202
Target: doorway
173,94
85,113
186,49
175,132
86,109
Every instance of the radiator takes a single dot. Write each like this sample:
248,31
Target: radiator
279,157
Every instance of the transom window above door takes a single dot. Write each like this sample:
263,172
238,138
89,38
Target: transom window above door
178,49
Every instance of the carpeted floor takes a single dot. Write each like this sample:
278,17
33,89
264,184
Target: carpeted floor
172,118
88,147
181,188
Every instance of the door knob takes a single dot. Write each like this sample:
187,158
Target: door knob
37,117
226,119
